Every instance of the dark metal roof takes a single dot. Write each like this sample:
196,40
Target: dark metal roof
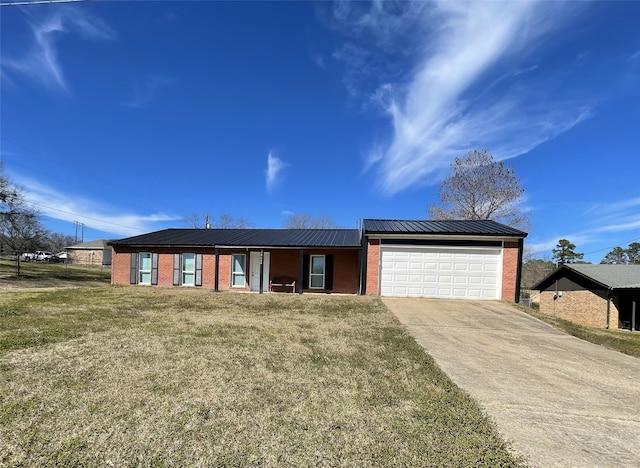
246,238
608,276
452,227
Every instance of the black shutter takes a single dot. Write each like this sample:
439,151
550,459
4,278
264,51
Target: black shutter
305,272
328,272
154,268
133,272
176,269
198,269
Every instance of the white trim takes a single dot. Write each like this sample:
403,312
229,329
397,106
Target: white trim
244,272
140,270
324,271
182,270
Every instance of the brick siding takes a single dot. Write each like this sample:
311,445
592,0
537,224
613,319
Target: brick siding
509,271
373,266
85,257
282,263
588,308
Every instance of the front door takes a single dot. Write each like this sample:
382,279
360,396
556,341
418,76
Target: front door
254,272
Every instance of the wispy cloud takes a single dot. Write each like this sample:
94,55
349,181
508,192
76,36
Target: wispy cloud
275,166
41,60
66,207
619,216
635,56
146,91
620,219
440,110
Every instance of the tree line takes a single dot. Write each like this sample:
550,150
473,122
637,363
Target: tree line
20,226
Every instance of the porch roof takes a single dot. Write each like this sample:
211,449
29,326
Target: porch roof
292,238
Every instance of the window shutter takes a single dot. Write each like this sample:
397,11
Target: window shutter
198,269
133,272
328,272
305,272
154,268
176,269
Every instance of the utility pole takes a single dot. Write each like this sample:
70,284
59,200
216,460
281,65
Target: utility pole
81,225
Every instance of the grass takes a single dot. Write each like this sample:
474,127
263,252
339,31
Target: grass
157,377
48,275
623,341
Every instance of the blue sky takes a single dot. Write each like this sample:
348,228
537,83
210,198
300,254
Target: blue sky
130,116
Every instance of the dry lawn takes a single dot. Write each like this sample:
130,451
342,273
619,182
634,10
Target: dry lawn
155,377
22,275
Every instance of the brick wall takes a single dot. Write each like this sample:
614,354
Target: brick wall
582,307
85,257
120,264
282,263
373,266
509,270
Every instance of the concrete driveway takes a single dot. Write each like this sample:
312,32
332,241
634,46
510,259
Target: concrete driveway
559,400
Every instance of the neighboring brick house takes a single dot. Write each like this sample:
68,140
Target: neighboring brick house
96,252
458,259
602,296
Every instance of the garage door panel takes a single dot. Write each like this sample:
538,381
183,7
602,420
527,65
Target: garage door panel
440,272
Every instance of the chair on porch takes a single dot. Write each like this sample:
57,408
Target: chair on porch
281,283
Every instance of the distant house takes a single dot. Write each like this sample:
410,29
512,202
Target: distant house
604,296
447,259
96,252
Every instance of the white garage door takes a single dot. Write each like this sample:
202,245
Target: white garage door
467,273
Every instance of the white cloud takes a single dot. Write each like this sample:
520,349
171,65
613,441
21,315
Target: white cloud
275,166
66,207
145,92
616,217
635,56
40,62
438,110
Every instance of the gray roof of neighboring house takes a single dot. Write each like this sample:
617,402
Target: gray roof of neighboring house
452,227
609,276
91,245
246,238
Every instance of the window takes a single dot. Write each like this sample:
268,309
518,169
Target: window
316,272
238,264
144,269
188,269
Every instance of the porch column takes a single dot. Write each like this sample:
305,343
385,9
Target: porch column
261,269
633,315
216,270
300,271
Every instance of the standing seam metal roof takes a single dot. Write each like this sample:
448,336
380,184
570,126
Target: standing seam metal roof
247,238
462,227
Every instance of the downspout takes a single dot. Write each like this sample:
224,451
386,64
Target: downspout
217,270
365,257
301,270
608,311
519,270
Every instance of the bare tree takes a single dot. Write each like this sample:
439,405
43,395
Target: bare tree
20,229
306,221
481,188
195,220
57,242
224,221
